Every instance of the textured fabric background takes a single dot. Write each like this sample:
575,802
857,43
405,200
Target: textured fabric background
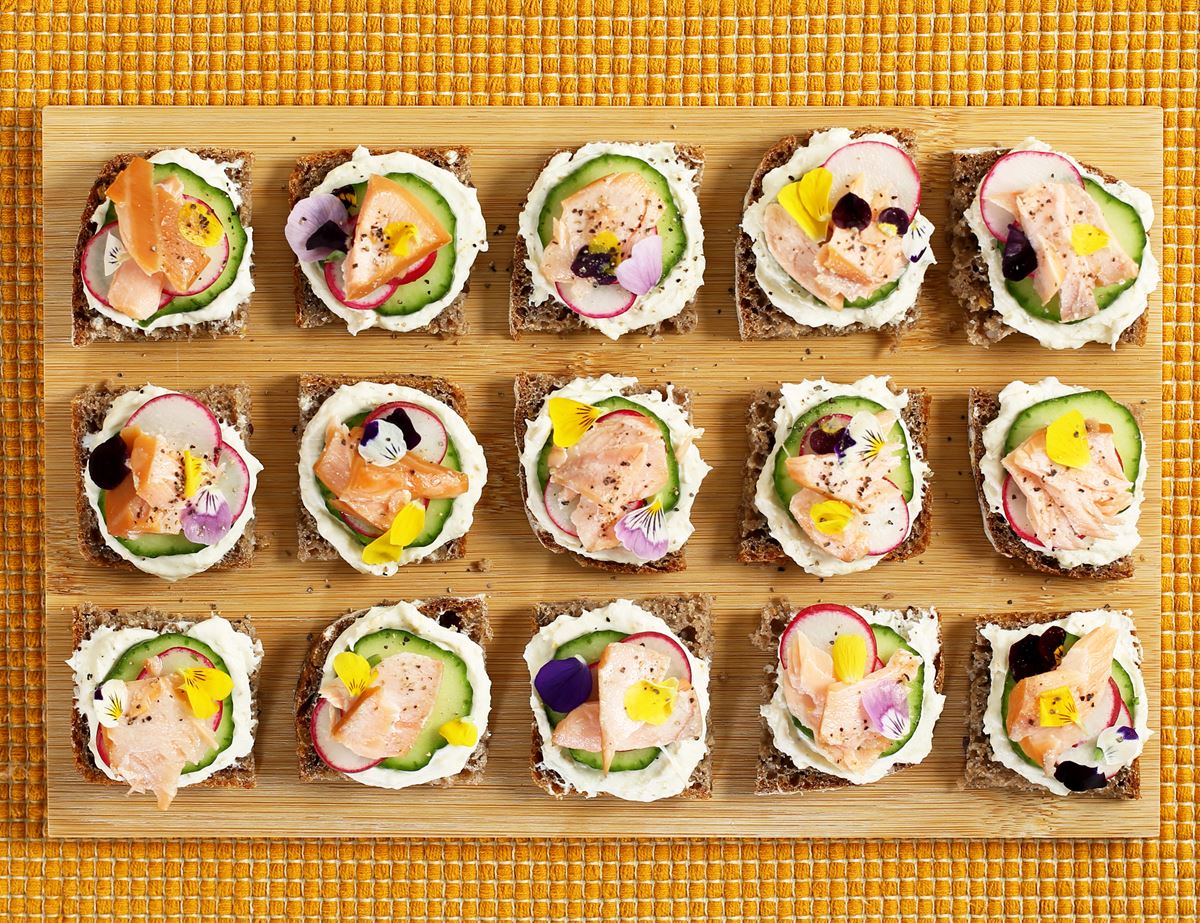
898,52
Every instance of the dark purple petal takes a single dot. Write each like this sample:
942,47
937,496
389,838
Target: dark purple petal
400,419
1127,733
851,211
1018,260
106,464
329,236
897,218
1036,654
1079,778
564,684
598,265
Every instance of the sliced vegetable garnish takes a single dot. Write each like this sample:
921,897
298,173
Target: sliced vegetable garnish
459,732
107,465
205,688
1086,239
193,473
307,217
571,419
831,516
199,224
1057,708
643,531
852,212
1067,442
207,518
651,702
408,524
849,658
113,697
888,710
641,272
564,685
354,671
807,201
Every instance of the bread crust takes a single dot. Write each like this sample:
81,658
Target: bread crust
689,616
553,317
758,318
468,615
310,171
88,325
531,390
85,620
229,403
981,770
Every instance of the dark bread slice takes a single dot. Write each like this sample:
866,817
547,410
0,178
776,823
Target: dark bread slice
314,390
777,774
231,406
757,545
85,620
981,769
466,614
531,390
758,318
88,325
969,281
310,171
982,408
689,616
551,316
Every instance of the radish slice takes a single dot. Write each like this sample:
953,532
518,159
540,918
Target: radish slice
559,508
333,278
1106,711
181,420
336,755
91,266
434,439
102,746
233,479
823,624
361,526
178,659
1014,173
679,666
617,413
885,167
595,301
887,524
412,275
1016,511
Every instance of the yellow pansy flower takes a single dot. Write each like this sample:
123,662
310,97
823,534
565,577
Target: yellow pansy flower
354,671
1086,239
849,658
651,702
571,419
1057,708
204,688
408,524
1067,441
400,237
193,473
198,224
831,516
459,732
807,201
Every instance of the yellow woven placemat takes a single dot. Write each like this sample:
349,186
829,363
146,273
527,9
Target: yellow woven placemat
898,52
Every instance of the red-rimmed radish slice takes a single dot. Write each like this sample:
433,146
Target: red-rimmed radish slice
218,256
887,523
418,270
885,167
823,624
679,666
178,659
821,437
559,508
1016,511
91,266
1014,173
102,746
1106,711
333,278
617,413
233,479
598,302
361,526
434,439
335,755
182,421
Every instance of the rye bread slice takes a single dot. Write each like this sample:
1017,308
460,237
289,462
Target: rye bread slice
531,390
310,171
85,620
89,325
981,770
969,280
982,408
758,318
314,391
551,316
777,774
689,616
758,545
231,406
468,615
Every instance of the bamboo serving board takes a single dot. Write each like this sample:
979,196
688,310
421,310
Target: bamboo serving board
960,574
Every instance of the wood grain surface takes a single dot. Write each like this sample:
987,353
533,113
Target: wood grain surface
960,574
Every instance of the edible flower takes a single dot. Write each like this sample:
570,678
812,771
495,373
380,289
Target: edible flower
887,710
408,524
651,702
113,697
1117,746
1067,442
1019,258
204,688
114,253
643,531
849,658
207,517
642,270
198,224
193,473
854,212
1057,708
355,672
306,218
831,516
459,732
893,221
383,443
604,242
916,238
565,684
869,437
571,419
807,201
400,237
1086,239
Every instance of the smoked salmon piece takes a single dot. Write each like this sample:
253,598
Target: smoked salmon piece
580,730
182,260
375,257
132,194
133,293
386,719
124,510
620,667
808,676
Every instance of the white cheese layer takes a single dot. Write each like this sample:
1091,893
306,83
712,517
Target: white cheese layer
1128,654
238,292
668,775
405,616
786,293
98,654
692,468
670,296
350,400
175,566
470,234
923,636
1015,398
1103,327
795,401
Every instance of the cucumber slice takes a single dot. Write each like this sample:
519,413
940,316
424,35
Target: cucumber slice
670,224
786,488
454,696
878,295
589,646
155,546
1094,405
622,761
132,661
